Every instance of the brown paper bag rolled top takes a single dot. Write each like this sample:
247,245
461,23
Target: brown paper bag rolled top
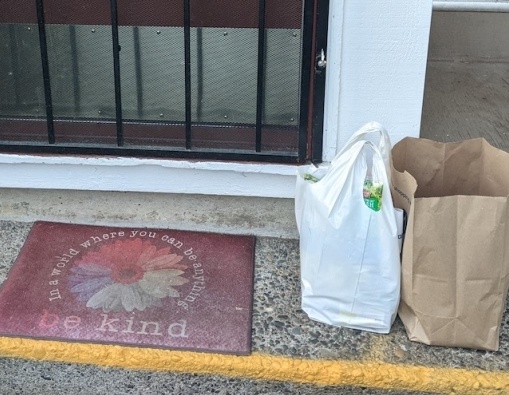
455,260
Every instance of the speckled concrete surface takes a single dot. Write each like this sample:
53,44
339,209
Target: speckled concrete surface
282,328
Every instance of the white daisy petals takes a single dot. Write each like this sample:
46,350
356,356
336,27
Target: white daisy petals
131,298
159,283
108,298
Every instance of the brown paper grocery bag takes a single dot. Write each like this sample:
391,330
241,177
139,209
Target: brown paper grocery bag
455,260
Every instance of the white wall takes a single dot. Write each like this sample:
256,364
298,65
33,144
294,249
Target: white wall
383,64
375,71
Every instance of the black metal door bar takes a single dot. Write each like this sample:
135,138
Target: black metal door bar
187,69
45,71
306,77
140,152
321,23
260,74
116,72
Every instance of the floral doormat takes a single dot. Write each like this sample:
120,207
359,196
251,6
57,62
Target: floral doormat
131,286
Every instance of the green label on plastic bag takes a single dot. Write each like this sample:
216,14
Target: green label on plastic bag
309,177
372,193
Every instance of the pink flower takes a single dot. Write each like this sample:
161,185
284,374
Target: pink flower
127,275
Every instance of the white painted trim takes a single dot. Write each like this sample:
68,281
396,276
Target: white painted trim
333,79
147,175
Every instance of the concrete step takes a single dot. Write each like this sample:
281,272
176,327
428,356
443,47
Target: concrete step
222,214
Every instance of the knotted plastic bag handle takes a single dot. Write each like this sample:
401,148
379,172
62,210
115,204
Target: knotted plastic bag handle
384,145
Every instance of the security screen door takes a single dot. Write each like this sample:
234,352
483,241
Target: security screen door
216,79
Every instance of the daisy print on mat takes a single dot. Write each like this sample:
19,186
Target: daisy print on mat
127,275
162,288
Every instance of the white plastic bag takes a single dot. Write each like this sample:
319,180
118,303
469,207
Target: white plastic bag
350,254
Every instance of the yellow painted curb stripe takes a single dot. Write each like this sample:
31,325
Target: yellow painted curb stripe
266,367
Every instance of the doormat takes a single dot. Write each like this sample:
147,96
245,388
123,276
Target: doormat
131,286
